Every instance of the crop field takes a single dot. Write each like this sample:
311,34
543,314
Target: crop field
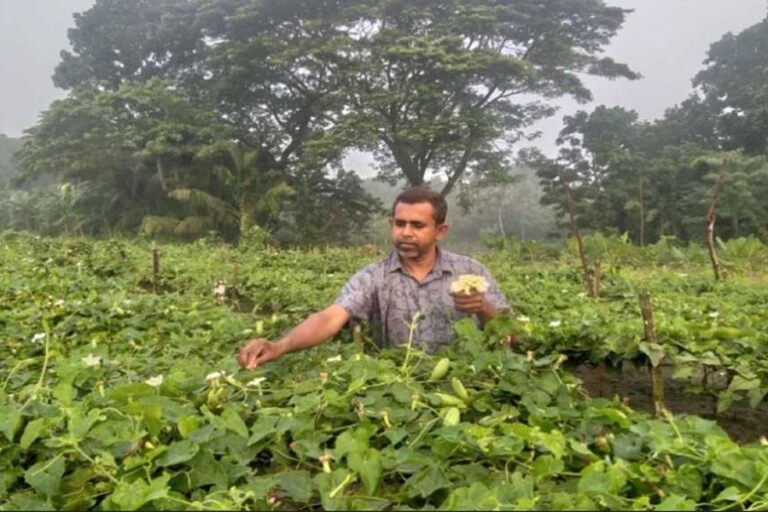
121,390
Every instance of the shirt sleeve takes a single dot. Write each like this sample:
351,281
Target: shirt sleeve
493,294
357,295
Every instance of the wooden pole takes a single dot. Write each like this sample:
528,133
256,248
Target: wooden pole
155,269
598,275
711,216
657,381
579,242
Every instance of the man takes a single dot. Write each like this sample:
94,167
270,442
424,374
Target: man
415,277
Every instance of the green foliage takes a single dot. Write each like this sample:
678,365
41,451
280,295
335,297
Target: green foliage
8,147
733,86
435,87
114,398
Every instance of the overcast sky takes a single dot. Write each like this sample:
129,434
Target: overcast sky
665,40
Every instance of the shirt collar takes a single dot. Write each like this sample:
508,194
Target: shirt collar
442,263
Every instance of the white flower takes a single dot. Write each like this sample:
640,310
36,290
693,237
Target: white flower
554,324
256,382
468,283
37,338
219,289
523,318
714,314
59,302
214,376
155,381
334,359
92,360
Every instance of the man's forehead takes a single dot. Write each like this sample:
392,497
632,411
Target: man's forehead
413,211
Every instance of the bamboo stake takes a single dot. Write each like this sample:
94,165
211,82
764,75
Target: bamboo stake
155,269
657,381
598,275
579,242
711,216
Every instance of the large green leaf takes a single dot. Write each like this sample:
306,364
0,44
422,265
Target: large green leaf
136,494
178,452
45,476
368,465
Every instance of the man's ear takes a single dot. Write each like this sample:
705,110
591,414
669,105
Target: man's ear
442,231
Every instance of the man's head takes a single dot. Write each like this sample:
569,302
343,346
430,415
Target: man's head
418,221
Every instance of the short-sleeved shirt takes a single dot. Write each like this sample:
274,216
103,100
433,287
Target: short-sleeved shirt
388,297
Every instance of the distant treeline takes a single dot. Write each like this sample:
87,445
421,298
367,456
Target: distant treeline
232,119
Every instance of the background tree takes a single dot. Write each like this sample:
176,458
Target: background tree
440,89
734,85
250,67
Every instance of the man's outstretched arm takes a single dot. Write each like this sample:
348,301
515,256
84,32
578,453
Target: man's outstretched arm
313,331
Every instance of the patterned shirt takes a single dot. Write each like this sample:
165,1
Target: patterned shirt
387,296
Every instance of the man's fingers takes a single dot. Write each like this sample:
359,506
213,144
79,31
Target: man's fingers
264,356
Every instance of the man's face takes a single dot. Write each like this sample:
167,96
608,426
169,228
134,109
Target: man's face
414,230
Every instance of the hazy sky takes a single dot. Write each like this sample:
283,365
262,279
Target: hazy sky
665,40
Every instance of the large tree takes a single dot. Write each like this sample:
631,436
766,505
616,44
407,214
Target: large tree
250,65
441,88
123,149
734,84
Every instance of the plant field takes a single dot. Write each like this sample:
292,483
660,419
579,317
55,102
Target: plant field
121,391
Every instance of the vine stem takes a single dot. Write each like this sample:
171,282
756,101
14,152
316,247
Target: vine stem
411,331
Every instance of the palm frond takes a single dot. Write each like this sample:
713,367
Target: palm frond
156,225
193,226
217,207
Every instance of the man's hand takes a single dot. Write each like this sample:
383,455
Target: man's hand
473,303
258,352
468,303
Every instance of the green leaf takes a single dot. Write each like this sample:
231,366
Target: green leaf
188,424
178,452
134,495
354,440
263,427
426,482
234,422
206,470
554,442
369,466
467,330
297,485
10,421
740,383
131,392
475,497
675,502
32,432
547,466
80,424
45,476
654,351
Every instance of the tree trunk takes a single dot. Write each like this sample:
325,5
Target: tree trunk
161,175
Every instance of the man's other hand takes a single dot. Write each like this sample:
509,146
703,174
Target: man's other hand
257,352
473,303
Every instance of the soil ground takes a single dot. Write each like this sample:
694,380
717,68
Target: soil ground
633,385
